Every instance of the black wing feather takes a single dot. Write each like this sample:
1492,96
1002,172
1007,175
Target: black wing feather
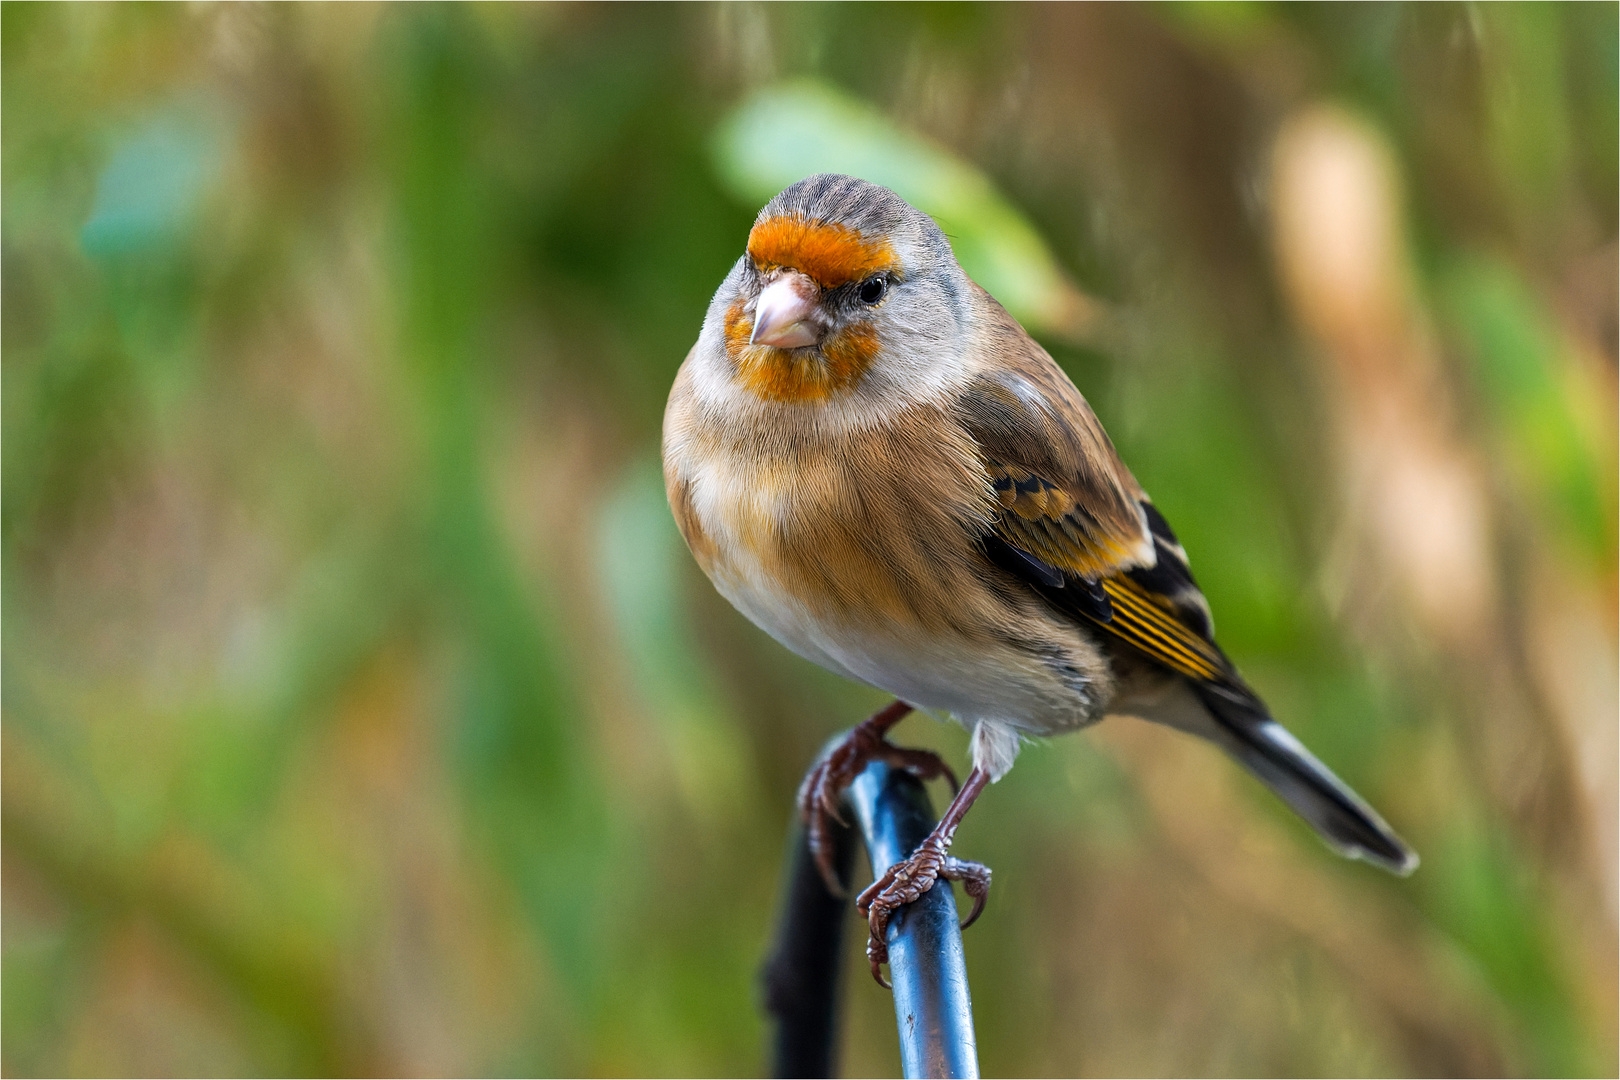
1162,614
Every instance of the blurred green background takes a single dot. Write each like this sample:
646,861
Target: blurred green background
363,713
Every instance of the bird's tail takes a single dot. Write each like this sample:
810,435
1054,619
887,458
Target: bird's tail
1264,747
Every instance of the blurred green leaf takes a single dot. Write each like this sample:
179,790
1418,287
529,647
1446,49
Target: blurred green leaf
1524,370
1479,890
525,759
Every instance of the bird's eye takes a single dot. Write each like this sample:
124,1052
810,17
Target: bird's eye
872,290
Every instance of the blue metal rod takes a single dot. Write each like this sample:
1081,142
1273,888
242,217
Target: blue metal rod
926,964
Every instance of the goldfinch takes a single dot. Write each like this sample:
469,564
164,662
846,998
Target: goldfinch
876,465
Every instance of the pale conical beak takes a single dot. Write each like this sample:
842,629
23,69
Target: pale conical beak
782,313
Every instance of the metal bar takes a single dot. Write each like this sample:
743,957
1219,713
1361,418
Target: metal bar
932,1007
801,978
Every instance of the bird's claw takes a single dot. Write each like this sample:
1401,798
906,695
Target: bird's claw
907,880
821,793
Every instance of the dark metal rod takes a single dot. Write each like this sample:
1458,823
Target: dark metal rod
801,977
926,964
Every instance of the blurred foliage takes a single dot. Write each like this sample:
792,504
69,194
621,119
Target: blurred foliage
364,714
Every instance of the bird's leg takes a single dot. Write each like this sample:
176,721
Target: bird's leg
824,784
908,879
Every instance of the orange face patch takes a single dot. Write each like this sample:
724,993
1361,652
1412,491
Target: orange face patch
830,254
799,375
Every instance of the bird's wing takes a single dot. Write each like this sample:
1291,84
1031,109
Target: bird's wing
1074,524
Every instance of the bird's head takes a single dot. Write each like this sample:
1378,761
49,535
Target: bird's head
842,281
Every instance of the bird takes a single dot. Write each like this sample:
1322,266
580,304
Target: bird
877,465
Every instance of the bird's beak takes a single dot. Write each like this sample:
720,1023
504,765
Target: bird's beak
782,313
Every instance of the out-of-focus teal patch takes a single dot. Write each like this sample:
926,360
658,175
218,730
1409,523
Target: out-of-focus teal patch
156,182
792,130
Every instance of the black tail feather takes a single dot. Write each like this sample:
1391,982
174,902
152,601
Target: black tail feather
1268,750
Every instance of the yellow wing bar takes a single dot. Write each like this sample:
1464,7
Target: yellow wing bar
1140,619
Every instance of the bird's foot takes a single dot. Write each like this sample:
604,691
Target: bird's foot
824,784
907,880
